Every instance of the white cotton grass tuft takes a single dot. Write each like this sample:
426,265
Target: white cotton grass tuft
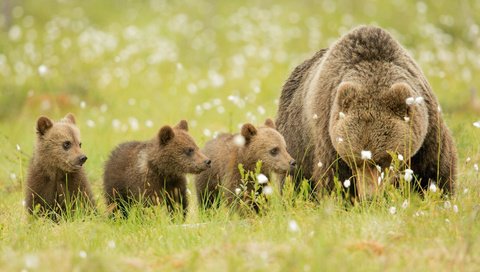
392,210
366,155
476,124
419,100
341,115
31,261
475,167
410,101
293,226
18,147
267,190
447,205
111,244
320,164
468,159
42,70
346,183
82,254
238,191
400,157
433,188
455,208
262,179
239,140
408,175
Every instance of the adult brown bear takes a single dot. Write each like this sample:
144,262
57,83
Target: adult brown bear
364,93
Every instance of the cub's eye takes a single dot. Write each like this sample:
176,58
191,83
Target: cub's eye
189,151
66,145
80,145
274,151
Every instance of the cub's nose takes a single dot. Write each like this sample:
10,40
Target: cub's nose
83,159
293,164
208,163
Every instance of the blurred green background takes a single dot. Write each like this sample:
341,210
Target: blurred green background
125,68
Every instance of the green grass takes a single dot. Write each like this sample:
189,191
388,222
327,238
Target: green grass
134,61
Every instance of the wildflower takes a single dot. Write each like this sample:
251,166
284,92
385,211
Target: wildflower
90,123
111,244
239,140
392,210
477,124
24,203
13,176
82,254
433,187
366,155
408,175
455,208
346,183
267,190
238,191
341,115
31,261
262,179
315,116
103,108
475,167
261,110
405,204
83,104
320,164
149,123
42,70
410,100
293,226
379,168
439,109
207,132
400,157
189,192
133,123
465,191
18,148
447,205
468,159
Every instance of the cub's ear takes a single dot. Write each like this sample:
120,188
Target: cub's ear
70,118
269,123
165,135
396,98
182,125
43,124
346,94
248,132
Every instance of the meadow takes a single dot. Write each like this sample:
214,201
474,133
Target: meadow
126,68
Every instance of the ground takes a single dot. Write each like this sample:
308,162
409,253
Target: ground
127,68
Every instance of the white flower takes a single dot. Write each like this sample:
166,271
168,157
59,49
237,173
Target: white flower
315,116
83,104
468,159
379,168
239,140
400,157
455,208
447,205
103,108
238,191
13,176
366,155
111,244
207,132
320,164
189,192
433,188
410,100
392,210
465,191
18,148
346,183
439,109
419,100
262,179
90,123
267,190
42,70
82,254
477,124
31,261
406,118
408,175
405,204
293,226
475,167
24,203
149,123
341,115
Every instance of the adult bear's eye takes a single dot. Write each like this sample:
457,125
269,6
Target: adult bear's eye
189,151
274,151
80,145
66,145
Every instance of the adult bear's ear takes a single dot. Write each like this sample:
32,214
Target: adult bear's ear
269,123
43,124
165,135
248,132
346,94
399,98
182,125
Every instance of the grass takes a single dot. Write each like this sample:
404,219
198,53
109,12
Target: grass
125,68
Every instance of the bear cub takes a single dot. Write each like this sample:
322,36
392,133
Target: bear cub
227,151
153,172
56,180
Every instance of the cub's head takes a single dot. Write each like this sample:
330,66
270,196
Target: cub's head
268,145
178,152
394,120
59,144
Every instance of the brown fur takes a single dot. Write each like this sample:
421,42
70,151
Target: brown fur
367,76
226,155
55,170
153,171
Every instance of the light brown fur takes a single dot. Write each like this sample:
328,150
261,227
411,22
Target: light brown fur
224,176
365,77
153,171
56,171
